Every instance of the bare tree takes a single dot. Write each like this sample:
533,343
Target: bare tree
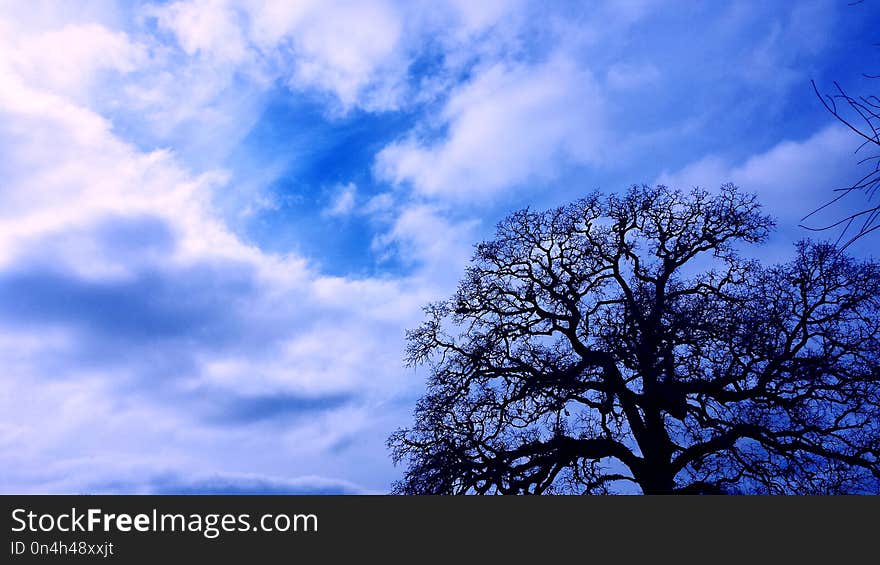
861,114
622,340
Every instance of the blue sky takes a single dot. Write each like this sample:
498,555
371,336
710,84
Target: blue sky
218,218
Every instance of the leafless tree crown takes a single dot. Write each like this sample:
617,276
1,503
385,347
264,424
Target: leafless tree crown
621,343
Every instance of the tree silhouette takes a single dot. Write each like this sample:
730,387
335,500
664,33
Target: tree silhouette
622,340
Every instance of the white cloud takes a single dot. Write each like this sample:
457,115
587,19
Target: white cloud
210,28
343,202
475,17
348,49
380,206
67,60
131,312
791,178
509,125
357,52
424,234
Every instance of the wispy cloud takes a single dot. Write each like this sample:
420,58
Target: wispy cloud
506,126
344,199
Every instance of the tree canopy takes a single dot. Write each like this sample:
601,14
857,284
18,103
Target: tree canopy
623,343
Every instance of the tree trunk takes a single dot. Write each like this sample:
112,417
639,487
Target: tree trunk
657,479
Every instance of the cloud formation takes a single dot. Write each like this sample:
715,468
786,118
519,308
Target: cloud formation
506,126
793,178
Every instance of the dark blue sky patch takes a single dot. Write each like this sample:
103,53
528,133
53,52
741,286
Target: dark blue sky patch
315,155
155,304
123,236
226,409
